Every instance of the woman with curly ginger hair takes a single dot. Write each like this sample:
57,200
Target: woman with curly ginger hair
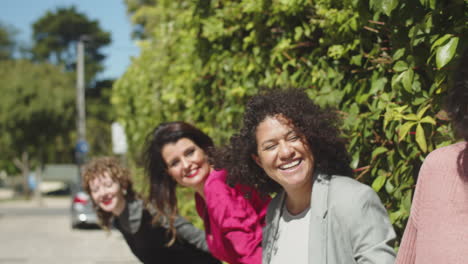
110,187
437,231
291,147
178,154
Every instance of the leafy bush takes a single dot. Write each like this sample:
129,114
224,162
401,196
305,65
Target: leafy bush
385,64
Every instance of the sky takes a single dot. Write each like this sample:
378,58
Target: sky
111,14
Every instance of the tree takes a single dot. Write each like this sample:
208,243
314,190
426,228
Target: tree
7,41
36,113
385,64
100,115
57,33
142,24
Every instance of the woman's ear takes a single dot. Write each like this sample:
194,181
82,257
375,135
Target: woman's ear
257,160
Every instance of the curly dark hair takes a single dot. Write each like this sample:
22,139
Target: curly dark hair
95,169
319,127
457,99
162,185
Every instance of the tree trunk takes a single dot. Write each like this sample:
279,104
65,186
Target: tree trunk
23,165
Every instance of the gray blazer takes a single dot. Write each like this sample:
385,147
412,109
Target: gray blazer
348,224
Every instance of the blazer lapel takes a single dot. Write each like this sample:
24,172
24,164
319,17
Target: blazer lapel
318,219
270,231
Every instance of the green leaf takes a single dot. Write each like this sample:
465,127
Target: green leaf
428,3
378,85
400,109
411,117
356,60
388,116
396,81
407,80
389,187
374,4
429,120
379,182
404,129
355,161
406,201
416,86
388,6
378,151
400,66
298,33
440,78
440,41
395,216
336,51
421,138
422,111
418,101
446,52
399,53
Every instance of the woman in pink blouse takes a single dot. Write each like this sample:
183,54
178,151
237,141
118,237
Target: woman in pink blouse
177,154
437,230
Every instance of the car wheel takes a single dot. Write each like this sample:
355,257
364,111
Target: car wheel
75,225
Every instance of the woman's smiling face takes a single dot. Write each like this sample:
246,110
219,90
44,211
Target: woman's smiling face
284,154
186,163
107,194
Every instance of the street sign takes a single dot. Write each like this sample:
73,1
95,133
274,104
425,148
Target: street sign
82,146
119,140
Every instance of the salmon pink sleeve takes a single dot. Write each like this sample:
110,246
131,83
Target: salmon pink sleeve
407,251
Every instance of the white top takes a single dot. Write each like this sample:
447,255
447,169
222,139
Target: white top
292,230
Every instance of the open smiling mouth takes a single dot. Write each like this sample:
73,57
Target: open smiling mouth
191,173
291,164
107,201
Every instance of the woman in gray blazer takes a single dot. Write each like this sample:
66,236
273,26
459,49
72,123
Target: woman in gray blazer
291,147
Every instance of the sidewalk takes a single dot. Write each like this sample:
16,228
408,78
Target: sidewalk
46,201
6,193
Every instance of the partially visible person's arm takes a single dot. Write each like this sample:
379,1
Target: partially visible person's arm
372,235
185,230
234,217
191,234
407,252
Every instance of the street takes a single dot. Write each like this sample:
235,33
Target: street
33,233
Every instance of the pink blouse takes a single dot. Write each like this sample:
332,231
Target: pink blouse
233,223
437,230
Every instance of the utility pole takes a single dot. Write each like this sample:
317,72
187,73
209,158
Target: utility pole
81,148
80,91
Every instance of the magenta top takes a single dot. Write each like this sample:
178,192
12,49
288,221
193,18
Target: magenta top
437,230
233,223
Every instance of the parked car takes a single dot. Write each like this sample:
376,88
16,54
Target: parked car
82,211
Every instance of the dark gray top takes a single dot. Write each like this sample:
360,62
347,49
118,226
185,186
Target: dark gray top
149,242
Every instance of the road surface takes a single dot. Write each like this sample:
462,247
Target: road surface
31,233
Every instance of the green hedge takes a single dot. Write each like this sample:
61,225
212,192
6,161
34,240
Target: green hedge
385,64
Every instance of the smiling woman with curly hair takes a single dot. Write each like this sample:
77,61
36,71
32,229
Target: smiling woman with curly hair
116,203
291,147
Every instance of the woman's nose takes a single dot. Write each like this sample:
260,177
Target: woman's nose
101,192
185,163
285,150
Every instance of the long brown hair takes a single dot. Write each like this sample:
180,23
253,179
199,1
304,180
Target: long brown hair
162,185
